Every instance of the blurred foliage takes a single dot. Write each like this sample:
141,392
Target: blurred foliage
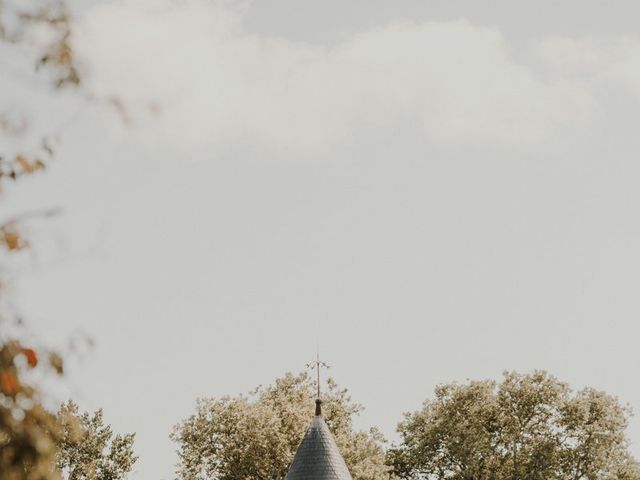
36,444
88,450
527,427
39,30
44,26
256,436
19,166
29,434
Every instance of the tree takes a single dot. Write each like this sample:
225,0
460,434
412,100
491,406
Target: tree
29,434
527,427
87,449
255,437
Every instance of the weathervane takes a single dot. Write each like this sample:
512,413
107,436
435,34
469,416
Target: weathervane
317,364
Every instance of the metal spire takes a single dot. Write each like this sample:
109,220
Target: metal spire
317,364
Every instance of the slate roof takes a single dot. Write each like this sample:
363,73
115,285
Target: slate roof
318,457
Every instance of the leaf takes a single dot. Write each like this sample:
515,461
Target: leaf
55,361
32,358
26,165
8,383
13,240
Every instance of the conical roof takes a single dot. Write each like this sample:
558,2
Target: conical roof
318,457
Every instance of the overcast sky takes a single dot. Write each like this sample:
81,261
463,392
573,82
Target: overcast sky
433,191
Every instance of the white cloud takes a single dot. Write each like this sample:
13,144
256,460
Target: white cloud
427,84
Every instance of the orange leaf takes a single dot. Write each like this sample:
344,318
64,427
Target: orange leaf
9,383
32,358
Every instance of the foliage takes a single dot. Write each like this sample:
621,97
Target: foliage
255,437
28,433
87,448
527,427
38,445
35,45
43,27
36,31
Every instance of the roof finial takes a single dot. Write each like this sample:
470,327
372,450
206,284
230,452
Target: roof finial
317,364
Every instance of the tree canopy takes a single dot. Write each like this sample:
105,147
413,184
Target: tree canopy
87,448
526,427
255,437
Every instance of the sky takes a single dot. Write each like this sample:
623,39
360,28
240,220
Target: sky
429,191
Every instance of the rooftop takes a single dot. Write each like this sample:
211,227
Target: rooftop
318,457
